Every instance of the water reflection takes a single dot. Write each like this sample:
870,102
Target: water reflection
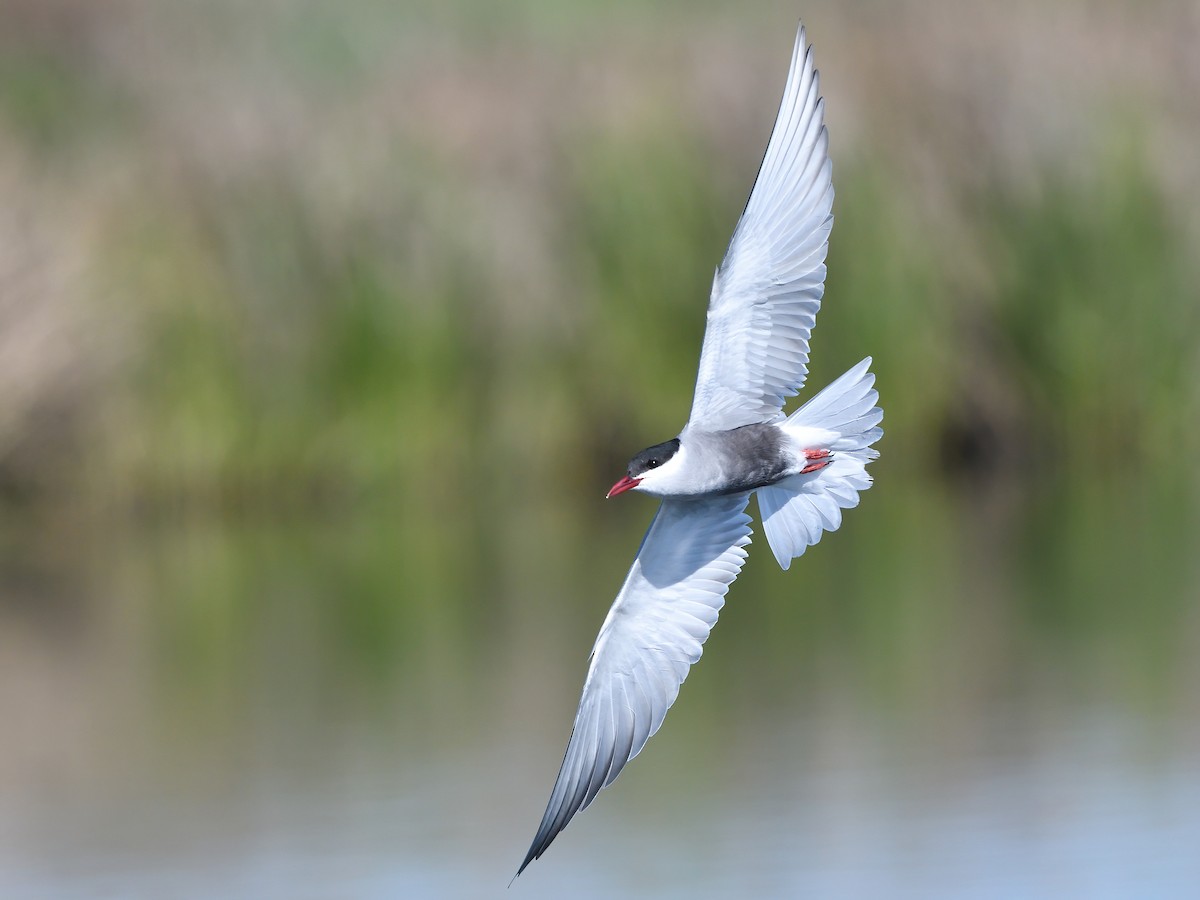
969,692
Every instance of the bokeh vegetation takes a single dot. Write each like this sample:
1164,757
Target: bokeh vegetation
285,258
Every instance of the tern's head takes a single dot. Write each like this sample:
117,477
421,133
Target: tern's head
645,467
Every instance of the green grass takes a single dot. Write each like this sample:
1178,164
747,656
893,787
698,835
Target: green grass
1095,316
283,355
507,281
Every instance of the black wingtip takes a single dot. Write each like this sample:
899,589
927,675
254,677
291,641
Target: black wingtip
524,865
536,849
533,854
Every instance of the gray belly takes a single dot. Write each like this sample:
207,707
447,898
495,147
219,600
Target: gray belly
749,457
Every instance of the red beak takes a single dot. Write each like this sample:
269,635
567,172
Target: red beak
622,486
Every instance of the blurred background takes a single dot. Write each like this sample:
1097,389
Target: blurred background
325,327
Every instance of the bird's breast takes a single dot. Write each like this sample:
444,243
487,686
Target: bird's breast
741,459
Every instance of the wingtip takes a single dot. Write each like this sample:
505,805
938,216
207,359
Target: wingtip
542,840
529,857
802,42
801,51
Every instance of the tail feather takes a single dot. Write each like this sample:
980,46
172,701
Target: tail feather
847,406
798,510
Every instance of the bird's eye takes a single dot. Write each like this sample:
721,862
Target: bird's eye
652,464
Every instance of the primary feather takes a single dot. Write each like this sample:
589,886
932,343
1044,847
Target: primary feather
767,291
690,555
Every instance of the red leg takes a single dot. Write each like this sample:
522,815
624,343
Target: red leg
819,460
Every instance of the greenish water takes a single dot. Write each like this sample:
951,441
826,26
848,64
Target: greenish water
967,691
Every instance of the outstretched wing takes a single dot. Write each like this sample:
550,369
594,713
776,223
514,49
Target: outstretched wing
653,634
767,291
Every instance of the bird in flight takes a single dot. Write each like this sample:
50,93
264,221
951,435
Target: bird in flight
805,467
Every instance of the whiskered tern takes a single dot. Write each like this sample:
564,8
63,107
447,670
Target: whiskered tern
805,467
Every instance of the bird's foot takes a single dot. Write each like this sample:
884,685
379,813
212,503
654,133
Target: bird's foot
818,459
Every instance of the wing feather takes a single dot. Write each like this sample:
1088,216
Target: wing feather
768,289
653,633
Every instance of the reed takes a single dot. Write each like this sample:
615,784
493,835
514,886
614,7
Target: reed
339,280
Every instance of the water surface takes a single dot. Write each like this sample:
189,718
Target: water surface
965,692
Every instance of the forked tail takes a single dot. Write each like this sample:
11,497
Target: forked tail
798,510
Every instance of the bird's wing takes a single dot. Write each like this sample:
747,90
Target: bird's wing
767,291
690,555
